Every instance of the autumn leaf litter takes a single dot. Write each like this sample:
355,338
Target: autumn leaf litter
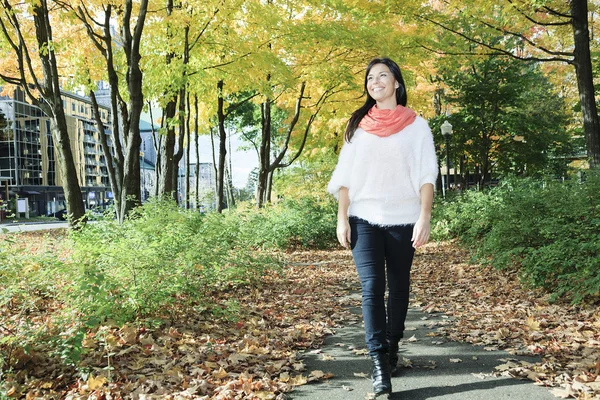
259,354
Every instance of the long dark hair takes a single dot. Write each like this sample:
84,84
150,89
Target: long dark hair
401,98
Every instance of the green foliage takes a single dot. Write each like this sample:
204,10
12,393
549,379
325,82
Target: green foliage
161,260
303,222
502,125
548,230
160,257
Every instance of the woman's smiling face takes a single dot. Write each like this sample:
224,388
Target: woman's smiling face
381,85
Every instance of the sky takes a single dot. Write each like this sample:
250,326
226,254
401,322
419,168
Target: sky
242,162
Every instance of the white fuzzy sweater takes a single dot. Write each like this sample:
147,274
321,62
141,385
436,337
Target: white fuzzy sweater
384,175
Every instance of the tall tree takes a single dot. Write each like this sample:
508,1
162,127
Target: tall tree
44,93
125,114
499,126
532,31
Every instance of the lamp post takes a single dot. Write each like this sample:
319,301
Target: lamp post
447,132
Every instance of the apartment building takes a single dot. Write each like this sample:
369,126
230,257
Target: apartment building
28,156
28,167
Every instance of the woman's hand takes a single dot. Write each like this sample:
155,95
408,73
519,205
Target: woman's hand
421,232
343,232
343,226
422,228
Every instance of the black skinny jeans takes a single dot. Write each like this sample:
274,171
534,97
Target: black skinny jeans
379,251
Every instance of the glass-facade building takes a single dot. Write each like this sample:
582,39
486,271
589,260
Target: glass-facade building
28,158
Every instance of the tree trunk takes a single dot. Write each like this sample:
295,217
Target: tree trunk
463,174
167,185
167,152
214,159
156,146
116,103
231,201
70,184
269,186
131,178
585,80
228,188
196,134
187,156
183,101
222,147
113,179
50,103
264,154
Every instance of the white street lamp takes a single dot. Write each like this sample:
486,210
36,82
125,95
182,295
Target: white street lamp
446,129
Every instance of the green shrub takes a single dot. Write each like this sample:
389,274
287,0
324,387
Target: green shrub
27,282
159,257
161,260
304,222
549,230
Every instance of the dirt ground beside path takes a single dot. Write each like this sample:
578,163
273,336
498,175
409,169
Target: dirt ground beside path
491,309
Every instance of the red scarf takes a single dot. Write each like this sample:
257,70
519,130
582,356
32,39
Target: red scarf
387,122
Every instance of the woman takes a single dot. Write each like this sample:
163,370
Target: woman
384,185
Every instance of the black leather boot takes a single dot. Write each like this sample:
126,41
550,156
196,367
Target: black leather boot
382,382
393,358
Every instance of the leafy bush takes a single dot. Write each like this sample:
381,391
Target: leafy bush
548,230
163,255
305,222
26,282
160,256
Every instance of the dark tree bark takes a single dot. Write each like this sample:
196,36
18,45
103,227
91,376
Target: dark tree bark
585,79
187,155
168,168
106,148
131,177
197,147
167,151
266,167
222,147
264,153
230,194
126,137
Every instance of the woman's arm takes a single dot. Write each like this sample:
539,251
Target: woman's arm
422,227
343,226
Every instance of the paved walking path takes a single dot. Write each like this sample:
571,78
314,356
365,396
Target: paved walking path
31,226
436,371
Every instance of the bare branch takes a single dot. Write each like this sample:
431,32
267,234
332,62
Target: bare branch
197,39
326,94
448,53
94,37
90,17
22,52
222,64
290,130
233,107
556,13
496,49
538,22
11,80
529,41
